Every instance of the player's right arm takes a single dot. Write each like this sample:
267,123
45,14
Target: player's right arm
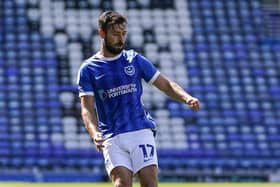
90,120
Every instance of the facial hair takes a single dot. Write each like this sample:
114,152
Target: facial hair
111,48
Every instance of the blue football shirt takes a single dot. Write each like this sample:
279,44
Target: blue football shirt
116,84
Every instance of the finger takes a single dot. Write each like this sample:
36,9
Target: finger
193,101
99,140
195,107
99,147
189,100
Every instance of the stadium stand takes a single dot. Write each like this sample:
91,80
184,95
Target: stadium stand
217,50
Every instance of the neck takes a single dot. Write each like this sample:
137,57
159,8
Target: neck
104,52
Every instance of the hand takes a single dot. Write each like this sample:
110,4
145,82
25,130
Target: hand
193,103
98,141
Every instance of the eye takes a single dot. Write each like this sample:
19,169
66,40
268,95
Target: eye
116,33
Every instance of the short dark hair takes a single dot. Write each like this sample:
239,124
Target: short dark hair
109,18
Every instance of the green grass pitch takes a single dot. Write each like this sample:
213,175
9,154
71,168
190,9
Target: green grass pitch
137,185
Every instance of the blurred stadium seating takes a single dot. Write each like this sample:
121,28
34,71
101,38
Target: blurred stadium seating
217,50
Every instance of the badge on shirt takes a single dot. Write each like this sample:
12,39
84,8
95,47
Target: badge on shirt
129,70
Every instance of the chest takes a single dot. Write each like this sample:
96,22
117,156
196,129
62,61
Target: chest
115,74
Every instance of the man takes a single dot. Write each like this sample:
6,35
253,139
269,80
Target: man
110,91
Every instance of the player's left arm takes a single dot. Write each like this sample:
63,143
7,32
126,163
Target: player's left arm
176,92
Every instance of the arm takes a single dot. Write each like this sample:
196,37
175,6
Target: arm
90,120
176,92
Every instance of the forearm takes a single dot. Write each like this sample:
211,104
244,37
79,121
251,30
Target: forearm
177,93
90,121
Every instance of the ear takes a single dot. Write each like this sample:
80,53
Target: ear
101,33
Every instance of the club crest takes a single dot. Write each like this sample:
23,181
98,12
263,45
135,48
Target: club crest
129,70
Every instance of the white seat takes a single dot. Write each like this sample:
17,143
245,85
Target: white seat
94,15
178,56
73,31
181,145
176,46
165,57
96,42
34,14
151,51
166,64
162,121
180,137
162,113
146,98
183,81
59,22
145,13
46,3
177,121
167,145
61,39
151,47
158,99
133,14
152,56
67,99
85,31
71,144
119,5
95,3
137,40
161,39
169,72
73,47
160,29
157,13
57,137
33,2
85,141
69,123
144,3
134,28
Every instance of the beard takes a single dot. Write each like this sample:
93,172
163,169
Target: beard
110,47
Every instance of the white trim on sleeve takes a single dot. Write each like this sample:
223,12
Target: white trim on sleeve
86,93
152,80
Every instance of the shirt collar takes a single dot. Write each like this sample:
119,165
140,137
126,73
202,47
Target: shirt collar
101,57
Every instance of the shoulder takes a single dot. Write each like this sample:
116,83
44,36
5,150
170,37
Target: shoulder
84,64
90,61
87,61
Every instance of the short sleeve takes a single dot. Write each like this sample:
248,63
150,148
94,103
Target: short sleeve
149,71
85,85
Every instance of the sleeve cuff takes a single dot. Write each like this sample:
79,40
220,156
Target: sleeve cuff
86,93
152,80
